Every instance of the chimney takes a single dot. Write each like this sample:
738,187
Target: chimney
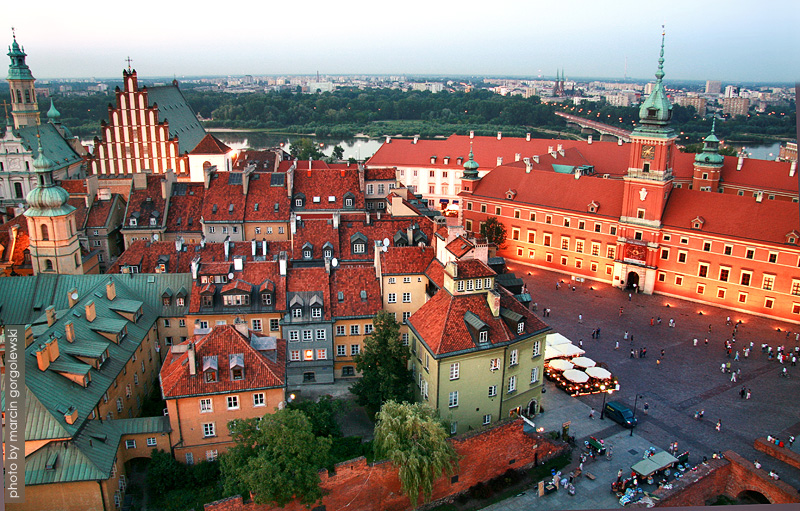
50,311
327,265
293,223
178,243
72,416
253,247
91,314
227,246
341,172
528,137
410,234
246,180
550,149
517,157
388,140
69,330
367,217
52,349
43,358
528,165
336,220
471,135
264,247
192,359
589,140
499,160
111,290
378,214
195,267
241,327
619,141
493,297
416,139
203,241
535,158
282,263
793,168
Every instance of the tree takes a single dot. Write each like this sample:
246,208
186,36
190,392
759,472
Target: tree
164,473
305,149
494,231
338,153
276,457
384,365
322,415
415,440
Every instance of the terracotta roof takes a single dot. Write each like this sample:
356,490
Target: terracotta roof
224,340
265,190
79,203
261,161
472,268
146,202
460,246
726,214
314,280
221,195
317,233
73,186
435,272
185,206
372,173
377,230
326,181
441,325
351,281
101,210
210,145
406,260
253,274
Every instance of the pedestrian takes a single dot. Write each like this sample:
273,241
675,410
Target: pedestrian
580,318
593,332
746,352
791,440
722,367
621,310
629,297
728,367
652,321
709,328
733,377
671,323
626,335
695,341
794,360
619,475
558,285
598,333
646,407
728,321
658,362
633,354
747,396
662,353
742,392
580,343
644,352
736,358
591,414
658,320
616,345
719,425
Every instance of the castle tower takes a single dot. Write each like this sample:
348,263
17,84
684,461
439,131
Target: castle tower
24,107
708,164
648,183
54,242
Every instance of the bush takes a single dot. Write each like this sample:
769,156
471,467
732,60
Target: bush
164,473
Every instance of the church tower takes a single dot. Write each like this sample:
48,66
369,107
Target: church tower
648,183
708,164
54,242
24,107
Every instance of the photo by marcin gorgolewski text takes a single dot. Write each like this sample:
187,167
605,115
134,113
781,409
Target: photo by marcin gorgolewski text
14,424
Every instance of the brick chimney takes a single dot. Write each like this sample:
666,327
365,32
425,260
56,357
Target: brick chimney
50,311
493,297
192,359
43,358
91,314
111,290
52,349
69,330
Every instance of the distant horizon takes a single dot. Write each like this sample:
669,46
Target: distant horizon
741,42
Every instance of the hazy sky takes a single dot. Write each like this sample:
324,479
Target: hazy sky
729,41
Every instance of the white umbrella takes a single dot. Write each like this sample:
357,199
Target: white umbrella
576,376
556,339
560,364
569,350
583,362
598,372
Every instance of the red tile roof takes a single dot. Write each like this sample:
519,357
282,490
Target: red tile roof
101,210
262,161
435,272
221,195
224,340
472,268
261,192
406,260
325,181
460,246
73,186
317,232
377,230
185,205
210,145
146,201
372,173
351,280
314,280
441,326
734,216
79,203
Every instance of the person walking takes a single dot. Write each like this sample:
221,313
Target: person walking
621,310
747,396
722,367
742,392
629,297
695,341
633,354
626,335
591,414
580,343
616,345
652,321
719,425
658,362
706,341
646,407
580,318
733,377
644,352
662,353
736,358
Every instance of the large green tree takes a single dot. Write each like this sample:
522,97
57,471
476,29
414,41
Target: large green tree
305,149
415,440
384,365
494,231
276,457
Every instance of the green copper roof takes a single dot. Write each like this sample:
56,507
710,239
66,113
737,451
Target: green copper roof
47,199
18,70
53,114
183,123
471,167
656,111
53,144
710,154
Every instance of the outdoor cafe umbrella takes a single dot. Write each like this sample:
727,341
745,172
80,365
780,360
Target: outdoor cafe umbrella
583,362
556,339
560,364
598,372
576,376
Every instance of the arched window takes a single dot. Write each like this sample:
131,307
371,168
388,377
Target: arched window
18,191
48,265
19,96
45,233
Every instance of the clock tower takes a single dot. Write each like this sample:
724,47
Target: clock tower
648,183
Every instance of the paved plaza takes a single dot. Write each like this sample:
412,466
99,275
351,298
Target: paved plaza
687,379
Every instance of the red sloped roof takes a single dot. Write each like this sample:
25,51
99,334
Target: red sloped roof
101,210
551,189
311,279
210,145
79,203
262,161
472,268
440,321
185,206
260,191
73,186
146,201
326,182
734,216
224,340
222,195
406,260
435,272
380,173
351,280
459,246
377,230
317,232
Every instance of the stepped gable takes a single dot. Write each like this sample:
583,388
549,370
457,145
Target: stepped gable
222,341
554,190
348,282
737,217
223,191
210,145
185,208
406,260
440,321
264,191
317,233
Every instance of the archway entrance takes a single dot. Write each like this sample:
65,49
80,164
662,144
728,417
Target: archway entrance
632,280
532,408
752,497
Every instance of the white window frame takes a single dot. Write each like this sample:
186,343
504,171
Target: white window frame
259,399
452,400
233,402
492,390
455,369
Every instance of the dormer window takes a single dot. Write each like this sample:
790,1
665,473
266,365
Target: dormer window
327,250
237,366
297,312
299,200
152,221
207,300
483,336
266,298
233,300
167,300
316,312
122,334
308,250
359,243
520,327
133,222
210,369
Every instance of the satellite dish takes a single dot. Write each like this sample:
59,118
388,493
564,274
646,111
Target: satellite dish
334,262
230,276
385,242
74,295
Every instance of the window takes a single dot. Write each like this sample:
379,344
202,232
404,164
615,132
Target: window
742,297
341,350
612,230
487,283
515,233
453,399
294,335
354,329
460,285
453,427
532,217
483,336
682,256
322,354
746,277
534,375
392,280
483,208
209,430
546,241
664,253
454,370
316,312
531,254
563,260
516,213
728,250
595,249
273,324
497,210
706,246
512,384
368,329
513,358
320,335
579,246
611,252
702,270
796,287
494,364
406,297
406,315
256,324
531,236
724,274
211,454
294,355
307,335
678,280
769,303
130,444
640,213
233,402
566,222
266,299
520,327
354,349
750,253
492,390
796,308
392,298
405,339
470,283
151,441
564,243
701,288
308,354
597,227
721,293
773,257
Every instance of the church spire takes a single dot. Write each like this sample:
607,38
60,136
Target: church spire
656,111
471,166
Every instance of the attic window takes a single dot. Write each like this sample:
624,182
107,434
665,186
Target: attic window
236,361
277,207
483,336
520,327
363,295
255,207
331,198
210,369
214,208
133,222
230,208
341,296
316,200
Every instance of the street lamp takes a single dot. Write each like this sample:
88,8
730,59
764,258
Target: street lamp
603,409
634,412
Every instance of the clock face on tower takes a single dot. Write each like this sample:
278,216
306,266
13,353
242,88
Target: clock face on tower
648,152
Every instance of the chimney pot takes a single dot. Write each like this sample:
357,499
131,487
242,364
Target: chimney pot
50,311
69,330
111,290
91,314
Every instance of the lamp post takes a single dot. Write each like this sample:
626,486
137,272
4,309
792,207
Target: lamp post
636,399
603,407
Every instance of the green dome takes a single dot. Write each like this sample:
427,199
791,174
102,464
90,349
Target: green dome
471,167
47,199
710,154
53,114
657,109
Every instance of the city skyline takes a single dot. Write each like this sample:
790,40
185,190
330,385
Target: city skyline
740,43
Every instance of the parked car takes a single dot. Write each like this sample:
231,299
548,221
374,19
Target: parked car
620,413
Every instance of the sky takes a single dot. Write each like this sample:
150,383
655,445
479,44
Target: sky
732,41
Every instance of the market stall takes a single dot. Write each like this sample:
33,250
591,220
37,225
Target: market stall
660,461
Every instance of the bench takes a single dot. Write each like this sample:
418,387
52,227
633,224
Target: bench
590,476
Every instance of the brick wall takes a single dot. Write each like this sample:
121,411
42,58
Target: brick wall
780,453
361,486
